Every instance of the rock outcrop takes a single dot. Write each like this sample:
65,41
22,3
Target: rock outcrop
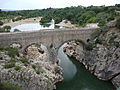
104,59
31,72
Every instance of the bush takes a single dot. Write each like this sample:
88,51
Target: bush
9,86
17,68
24,61
102,23
7,28
98,41
34,66
12,52
10,64
38,72
89,46
118,23
1,23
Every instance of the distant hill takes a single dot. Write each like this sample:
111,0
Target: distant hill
7,10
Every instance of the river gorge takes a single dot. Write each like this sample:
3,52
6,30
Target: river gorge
76,77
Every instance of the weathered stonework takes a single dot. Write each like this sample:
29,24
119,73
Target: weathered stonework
52,39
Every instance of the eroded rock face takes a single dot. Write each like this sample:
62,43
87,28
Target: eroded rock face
36,53
116,81
104,60
34,73
75,49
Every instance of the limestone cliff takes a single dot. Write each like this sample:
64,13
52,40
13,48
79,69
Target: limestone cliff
32,71
102,57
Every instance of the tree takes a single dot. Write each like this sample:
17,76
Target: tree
93,20
7,28
1,23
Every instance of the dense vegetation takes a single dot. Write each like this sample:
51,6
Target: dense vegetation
9,86
77,15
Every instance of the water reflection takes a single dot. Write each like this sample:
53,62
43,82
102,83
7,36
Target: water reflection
31,27
68,67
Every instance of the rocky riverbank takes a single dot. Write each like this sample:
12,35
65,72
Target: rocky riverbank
30,71
102,55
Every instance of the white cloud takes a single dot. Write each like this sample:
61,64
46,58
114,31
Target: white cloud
39,4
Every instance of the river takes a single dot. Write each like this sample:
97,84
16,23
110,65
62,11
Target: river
76,77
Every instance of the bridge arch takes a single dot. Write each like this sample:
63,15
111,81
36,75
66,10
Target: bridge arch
76,40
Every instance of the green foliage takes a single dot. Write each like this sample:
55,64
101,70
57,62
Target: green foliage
1,23
24,61
17,68
110,18
10,64
77,15
89,46
37,45
46,19
93,20
57,20
34,66
102,23
7,28
9,86
117,5
12,52
98,41
118,23
38,72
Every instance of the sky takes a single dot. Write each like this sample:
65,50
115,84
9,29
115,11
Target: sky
41,4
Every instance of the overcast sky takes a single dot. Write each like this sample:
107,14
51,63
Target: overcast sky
40,4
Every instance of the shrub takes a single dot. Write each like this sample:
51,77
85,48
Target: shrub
89,46
118,23
102,23
98,41
34,66
17,68
9,65
24,61
38,72
12,52
9,86
1,23
7,28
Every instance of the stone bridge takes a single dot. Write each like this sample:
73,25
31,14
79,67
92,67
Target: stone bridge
52,39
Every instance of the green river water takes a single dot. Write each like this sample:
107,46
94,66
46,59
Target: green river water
76,77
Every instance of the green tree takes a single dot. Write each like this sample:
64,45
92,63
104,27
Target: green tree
1,23
7,28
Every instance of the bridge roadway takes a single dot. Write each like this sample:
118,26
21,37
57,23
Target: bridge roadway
52,39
